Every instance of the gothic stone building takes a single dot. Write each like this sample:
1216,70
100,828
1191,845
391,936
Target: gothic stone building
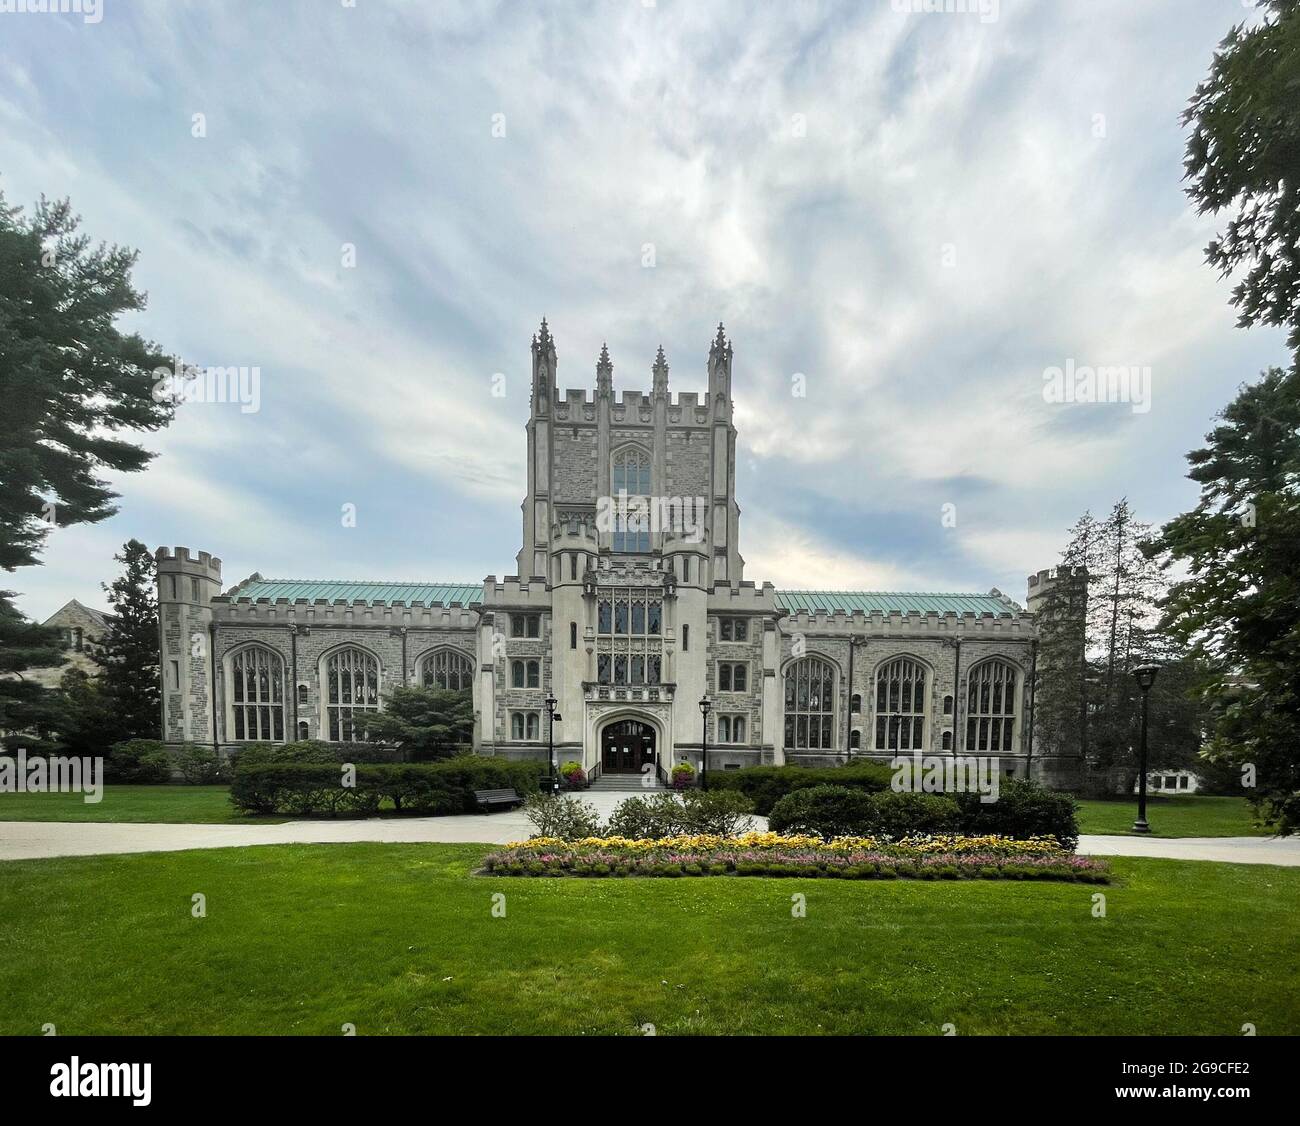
629,624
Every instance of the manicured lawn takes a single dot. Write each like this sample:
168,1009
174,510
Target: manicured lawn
185,804
402,939
1188,815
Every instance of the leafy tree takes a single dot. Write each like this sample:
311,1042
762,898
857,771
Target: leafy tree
128,654
1244,155
70,383
1238,608
29,712
425,723
83,715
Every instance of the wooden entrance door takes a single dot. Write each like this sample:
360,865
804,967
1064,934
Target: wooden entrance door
626,746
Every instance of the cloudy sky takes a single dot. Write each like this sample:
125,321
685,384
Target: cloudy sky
918,213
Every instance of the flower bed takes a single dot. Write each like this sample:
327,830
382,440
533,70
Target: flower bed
770,854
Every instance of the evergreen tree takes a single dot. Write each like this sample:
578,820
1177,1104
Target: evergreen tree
83,715
425,723
29,712
1238,609
129,657
1243,157
70,383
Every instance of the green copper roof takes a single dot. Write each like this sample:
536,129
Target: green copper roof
388,594
886,602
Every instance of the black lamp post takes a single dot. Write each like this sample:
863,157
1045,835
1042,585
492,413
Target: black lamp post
552,717
705,705
1145,675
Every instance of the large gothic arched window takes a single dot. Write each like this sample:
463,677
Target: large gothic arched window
351,689
900,705
256,684
631,472
449,669
810,704
991,706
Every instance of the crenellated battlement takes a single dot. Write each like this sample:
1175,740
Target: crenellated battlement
881,624
743,597
179,559
1055,575
323,612
514,591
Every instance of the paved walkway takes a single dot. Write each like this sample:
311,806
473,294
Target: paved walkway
22,840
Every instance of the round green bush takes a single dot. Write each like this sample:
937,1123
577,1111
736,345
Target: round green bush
824,811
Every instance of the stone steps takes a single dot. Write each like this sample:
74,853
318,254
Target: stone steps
626,784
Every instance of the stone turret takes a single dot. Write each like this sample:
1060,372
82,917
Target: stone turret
187,584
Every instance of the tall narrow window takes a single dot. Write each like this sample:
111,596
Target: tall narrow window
810,704
573,635
991,706
257,694
351,691
686,639
900,705
632,472
449,669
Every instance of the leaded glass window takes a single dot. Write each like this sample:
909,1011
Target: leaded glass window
991,706
257,694
900,705
449,669
351,690
810,704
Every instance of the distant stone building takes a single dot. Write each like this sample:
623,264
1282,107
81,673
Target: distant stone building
83,630
628,608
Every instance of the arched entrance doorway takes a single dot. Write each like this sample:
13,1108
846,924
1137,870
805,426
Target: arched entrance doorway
626,746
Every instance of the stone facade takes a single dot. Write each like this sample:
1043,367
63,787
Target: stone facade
83,629
612,620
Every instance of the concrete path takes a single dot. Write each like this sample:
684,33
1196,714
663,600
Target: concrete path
22,840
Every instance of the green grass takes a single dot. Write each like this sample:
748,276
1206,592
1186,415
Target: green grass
178,804
1187,815
401,939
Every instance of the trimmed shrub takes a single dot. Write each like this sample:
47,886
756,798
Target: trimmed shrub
138,762
198,765
766,785
897,815
826,811
720,813
837,811
316,788
683,775
567,818
1023,810
308,751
